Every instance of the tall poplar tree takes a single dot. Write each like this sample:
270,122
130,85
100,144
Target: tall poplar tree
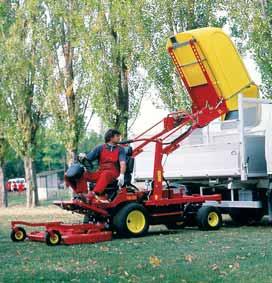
117,48
24,84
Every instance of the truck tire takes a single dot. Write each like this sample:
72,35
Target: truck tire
246,216
209,218
132,220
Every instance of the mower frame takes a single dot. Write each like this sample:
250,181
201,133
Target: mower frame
68,233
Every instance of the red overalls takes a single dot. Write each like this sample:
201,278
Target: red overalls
107,173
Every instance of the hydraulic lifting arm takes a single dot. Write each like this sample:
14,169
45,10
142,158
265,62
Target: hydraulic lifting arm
210,97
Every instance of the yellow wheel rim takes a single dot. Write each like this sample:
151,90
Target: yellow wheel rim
213,219
135,221
54,239
19,235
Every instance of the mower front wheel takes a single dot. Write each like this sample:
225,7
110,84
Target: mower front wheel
209,218
131,220
18,234
53,238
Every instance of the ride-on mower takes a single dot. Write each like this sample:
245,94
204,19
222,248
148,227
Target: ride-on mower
130,210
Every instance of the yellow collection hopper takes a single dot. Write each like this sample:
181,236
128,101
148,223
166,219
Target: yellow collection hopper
221,61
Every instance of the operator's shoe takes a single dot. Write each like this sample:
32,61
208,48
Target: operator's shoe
93,197
81,197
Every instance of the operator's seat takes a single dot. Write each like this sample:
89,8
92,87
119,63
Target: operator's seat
129,165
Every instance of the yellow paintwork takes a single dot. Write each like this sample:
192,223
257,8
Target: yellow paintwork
19,235
223,64
159,175
54,239
213,219
135,221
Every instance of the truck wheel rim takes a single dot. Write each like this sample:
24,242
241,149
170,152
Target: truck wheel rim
54,239
136,221
213,219
19,235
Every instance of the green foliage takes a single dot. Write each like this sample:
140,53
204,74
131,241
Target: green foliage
117,47
14,167
68,94
24,73
24,83
6,15
90,140
6,20
51,154
251,24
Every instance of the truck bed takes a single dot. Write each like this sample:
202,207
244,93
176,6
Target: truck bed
214,151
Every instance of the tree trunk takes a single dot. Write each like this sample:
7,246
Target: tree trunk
125,97
32,198
121,122
72,111
3,191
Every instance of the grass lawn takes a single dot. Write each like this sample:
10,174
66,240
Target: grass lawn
232,254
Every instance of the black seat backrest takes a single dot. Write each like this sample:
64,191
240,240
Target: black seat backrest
129,164
128,150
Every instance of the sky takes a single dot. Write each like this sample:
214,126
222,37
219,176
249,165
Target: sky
149,114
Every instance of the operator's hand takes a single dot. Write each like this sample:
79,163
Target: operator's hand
82,156
121,180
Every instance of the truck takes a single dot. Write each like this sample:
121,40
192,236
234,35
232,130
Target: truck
230,156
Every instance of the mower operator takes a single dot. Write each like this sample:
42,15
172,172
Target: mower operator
112,164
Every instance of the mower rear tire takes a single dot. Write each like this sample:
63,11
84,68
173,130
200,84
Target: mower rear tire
52,239
132,220
209,218
18,234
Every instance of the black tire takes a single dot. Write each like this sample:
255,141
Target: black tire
53,240
122,220
18,235
176,225
246,216
209,218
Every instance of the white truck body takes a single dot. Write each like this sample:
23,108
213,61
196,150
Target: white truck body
219,149
232,155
